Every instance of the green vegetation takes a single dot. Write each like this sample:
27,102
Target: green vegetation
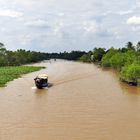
126,60
106,59
86,57
73,55
11,61
97,55
20,57
131,74
9,73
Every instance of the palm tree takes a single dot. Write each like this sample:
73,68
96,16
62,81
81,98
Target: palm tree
138,46
1,45
130,46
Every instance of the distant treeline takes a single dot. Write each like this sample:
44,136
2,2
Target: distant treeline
73,55
20,57
126,60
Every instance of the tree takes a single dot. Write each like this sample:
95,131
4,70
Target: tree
130,46
1,45
85,58
98,54
118,60
138,46
107,57
131,74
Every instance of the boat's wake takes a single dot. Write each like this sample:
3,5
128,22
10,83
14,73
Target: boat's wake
75,78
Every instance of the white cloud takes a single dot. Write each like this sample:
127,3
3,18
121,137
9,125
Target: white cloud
138,3
10,13
67,24
136,29
121,13
134,20
26,39
58,26
107,13
90,26
60,14
38,23
125,12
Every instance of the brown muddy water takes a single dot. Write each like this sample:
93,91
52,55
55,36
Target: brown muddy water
84,103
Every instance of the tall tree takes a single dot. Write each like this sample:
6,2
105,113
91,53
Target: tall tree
130,46
138,46
1,45
98,54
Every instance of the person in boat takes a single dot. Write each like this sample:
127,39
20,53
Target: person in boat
41,81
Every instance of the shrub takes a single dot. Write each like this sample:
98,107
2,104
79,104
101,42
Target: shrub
130,57
85,58
98,54
106,58
117,61
131,74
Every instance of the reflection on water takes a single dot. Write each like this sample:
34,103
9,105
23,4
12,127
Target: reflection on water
126,88
41,91
82,102
129,89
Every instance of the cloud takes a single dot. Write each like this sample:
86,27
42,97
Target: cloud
25,39
125,12
121,13
58,25
136,29
134,20
107,13
10,13
138,3
60,14
38,23
90,26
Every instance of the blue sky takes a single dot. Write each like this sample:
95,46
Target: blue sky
65,25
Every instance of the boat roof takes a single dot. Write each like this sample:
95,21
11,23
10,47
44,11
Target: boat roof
43,76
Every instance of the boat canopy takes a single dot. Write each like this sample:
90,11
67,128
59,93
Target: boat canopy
43,76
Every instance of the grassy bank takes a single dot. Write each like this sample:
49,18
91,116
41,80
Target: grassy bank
10,73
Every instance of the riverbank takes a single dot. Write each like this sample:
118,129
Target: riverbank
125,60
10,73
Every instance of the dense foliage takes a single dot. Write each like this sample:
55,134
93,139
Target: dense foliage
10,61
126,60
9,73
98,54
86,57
19,57
73,55
131,74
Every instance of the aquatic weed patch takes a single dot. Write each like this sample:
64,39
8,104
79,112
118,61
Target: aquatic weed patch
10,73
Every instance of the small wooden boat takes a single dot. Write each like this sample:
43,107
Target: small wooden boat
41,81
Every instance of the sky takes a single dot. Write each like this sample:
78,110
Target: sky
65,25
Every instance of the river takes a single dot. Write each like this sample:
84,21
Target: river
84,103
